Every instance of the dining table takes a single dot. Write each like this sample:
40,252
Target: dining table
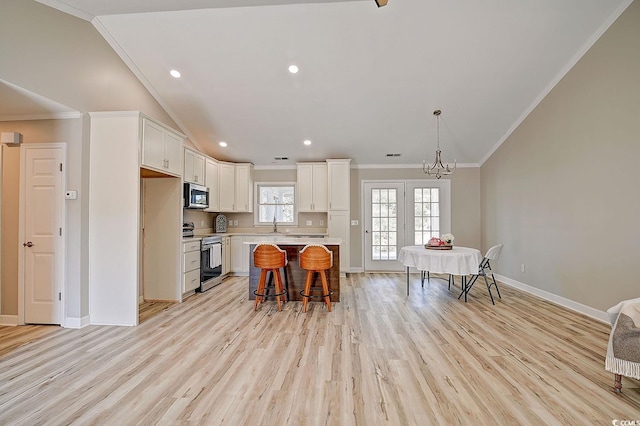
456,260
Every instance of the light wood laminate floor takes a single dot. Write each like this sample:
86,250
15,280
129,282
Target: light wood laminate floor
379,358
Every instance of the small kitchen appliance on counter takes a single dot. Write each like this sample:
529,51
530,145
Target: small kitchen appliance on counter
187,229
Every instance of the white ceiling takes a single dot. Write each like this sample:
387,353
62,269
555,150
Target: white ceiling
369,77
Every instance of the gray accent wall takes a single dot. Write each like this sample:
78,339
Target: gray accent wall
562,192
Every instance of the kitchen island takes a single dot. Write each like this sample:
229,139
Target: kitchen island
295,276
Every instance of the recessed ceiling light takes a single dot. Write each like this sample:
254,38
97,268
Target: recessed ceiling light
222,144
175,73
307,142
293,69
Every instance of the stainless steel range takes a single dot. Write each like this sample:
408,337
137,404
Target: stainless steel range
210,262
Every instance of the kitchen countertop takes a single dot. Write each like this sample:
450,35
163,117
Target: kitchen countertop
294,241
189,239
281,237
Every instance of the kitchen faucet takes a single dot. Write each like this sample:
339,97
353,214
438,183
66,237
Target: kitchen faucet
275,224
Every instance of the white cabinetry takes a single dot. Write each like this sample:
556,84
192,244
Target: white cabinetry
211,182
239,260
227,186
119,270
235,187
226,255
194,167
244,187
339,228
312,187
161,148
339,184
190,266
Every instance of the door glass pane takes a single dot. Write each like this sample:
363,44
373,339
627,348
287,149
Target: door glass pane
375,252
384,224
426,210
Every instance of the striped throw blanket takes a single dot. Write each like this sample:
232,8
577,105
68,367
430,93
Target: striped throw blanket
623,352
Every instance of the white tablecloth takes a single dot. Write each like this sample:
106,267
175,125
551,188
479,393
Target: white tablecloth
457,261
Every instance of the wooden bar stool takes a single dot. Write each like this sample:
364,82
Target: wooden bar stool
269,258
316,258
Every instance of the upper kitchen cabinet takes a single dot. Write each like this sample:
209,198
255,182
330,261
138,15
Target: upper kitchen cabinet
212,182
235,187
194,167
226,186
162,148
244,187
339,184
312,187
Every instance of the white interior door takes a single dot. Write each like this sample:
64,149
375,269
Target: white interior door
384,225
43,243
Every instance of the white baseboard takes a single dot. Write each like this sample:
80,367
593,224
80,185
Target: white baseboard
8,320
75,322
559,300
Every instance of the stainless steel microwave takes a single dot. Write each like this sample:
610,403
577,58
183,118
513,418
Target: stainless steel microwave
195,196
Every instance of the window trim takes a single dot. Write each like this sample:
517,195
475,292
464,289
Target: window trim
256,203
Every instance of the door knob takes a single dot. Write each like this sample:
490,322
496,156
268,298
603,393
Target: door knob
28,244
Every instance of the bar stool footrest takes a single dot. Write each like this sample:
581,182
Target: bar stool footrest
265,295
316,296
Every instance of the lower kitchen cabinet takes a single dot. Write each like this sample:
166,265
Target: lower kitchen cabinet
239,266
191,266
226,255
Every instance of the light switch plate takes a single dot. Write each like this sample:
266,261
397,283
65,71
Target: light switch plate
354,222
71,195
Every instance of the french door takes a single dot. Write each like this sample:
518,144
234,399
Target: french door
402,213
384,225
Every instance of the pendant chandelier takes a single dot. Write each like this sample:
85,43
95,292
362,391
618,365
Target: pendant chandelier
438,169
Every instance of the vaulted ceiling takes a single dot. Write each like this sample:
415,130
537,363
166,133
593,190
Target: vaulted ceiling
369,78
